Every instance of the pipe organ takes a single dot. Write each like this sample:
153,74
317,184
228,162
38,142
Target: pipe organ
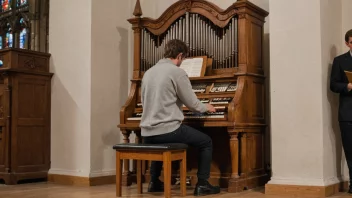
202,37
234,83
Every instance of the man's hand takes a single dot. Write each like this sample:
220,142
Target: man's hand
349,86
210,108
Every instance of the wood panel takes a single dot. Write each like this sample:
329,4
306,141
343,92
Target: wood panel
25,60
30,137
258,106
305,191
81,181
2,132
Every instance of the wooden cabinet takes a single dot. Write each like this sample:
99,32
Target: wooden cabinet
25,97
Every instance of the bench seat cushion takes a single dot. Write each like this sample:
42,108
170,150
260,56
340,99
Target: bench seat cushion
146,147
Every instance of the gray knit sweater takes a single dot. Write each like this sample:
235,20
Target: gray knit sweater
165,87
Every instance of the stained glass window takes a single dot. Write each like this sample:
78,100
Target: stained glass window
21,2
16,20
5,5
9,37
23,34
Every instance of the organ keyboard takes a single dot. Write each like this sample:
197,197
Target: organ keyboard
219,87
188,115
192,115
199,88
233,82
135,116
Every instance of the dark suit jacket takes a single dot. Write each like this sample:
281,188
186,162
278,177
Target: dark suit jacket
338,84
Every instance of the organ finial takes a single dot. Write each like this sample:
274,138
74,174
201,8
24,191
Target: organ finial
137,9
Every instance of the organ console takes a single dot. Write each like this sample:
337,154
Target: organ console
233,82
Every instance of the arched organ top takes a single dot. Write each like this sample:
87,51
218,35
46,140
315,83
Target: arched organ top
207,29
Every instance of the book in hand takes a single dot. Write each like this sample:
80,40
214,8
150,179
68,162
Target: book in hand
349,76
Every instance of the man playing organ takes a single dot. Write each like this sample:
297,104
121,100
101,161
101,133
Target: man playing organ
162,99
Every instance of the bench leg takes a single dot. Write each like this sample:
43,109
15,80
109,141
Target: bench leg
139,177
183,172
167,174
118,175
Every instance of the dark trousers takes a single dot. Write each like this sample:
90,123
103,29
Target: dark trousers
191,137
346,136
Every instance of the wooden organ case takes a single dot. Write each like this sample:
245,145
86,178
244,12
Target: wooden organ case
232,40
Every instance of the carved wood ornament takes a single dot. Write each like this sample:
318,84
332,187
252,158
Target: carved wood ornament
31,63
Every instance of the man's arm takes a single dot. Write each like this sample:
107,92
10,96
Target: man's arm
336,83
187,96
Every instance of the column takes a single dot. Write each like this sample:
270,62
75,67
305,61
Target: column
306,151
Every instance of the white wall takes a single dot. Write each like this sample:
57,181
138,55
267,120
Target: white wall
110,65
154,8
70,46
296,105
90,62
330,47
306,142
346,20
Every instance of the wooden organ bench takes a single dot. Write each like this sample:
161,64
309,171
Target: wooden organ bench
155,152
231,41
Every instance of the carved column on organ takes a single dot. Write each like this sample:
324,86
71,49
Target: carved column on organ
244,161
234,149
137,39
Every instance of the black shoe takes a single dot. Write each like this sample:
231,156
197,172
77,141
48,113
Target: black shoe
349,191
156,186
206,189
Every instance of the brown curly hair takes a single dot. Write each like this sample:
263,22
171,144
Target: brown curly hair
174,47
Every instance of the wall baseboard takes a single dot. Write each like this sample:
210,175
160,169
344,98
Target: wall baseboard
81,181
305,191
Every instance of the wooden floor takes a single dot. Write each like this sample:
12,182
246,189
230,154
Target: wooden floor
48,190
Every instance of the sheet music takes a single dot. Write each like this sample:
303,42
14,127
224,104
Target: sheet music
192,66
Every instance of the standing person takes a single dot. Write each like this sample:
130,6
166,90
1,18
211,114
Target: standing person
340,84
165,88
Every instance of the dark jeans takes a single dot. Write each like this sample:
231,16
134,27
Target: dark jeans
191,137
346,136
